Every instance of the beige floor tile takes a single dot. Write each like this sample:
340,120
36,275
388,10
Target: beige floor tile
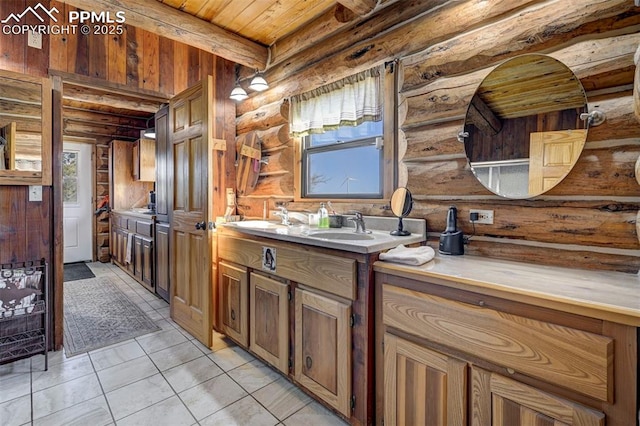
16,367
60,373
171,411
174,356
213,395
282,398
230,358
94,412
114,355
161,340
16,412
153,315
65,395
158,303
137,396
253,375
126,373
314,414
165,312
247,411
192,373
205,350
14,385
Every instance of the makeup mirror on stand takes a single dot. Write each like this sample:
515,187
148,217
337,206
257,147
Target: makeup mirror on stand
401,205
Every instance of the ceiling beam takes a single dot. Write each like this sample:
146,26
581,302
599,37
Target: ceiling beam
158,18
359,7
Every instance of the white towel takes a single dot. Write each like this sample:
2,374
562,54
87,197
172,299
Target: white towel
127,257
409,255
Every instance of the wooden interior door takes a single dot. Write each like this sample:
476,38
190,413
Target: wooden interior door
234,299
551,156
269,320
499,401
421,386
192,216
323,348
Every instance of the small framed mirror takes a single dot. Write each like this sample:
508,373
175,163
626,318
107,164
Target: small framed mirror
523,132
401,205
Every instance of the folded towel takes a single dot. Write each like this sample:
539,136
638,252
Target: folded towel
127,257
409,255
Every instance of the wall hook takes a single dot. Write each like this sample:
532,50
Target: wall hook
593,118
461,135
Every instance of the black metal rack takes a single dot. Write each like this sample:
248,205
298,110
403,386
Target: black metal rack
24,310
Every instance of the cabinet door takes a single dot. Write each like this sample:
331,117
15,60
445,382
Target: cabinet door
147,262
162,260
421,386
135,166
234,288
137,257
269,320
499,401
323,348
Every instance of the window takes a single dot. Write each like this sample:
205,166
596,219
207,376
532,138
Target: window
344,163
341,132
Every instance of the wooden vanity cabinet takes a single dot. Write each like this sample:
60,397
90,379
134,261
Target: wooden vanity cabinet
323,348
308,317
233,283
453,356
269,320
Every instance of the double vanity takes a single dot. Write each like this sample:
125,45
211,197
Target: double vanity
458,340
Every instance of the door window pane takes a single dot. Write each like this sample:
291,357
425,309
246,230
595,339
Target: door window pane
70,176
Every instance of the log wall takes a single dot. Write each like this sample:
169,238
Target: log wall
587,221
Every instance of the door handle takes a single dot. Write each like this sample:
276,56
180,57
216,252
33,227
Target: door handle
201,225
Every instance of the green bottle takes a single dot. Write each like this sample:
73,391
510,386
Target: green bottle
323,217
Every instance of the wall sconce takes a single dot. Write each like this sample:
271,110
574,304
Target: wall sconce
258,83
238,93
149,132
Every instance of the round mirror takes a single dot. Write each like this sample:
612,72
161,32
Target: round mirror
523,127
401,205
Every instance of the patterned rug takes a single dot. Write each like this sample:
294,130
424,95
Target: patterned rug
98,314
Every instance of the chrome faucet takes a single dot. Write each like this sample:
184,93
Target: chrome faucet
359,221
284,214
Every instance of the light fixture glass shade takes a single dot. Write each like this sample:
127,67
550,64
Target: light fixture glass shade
238,94
150,133
258,83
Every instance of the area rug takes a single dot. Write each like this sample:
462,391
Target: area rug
77,271
98,314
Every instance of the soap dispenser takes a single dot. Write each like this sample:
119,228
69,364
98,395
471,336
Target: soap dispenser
323,217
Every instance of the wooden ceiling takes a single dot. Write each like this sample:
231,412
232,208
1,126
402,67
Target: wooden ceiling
264,21
241,31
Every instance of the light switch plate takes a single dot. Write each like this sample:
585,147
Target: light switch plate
34,39
35,193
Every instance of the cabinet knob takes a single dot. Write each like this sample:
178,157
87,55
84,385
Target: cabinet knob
201,225
233,315
309,362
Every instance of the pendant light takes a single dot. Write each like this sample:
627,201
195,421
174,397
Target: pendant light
238,93
258,83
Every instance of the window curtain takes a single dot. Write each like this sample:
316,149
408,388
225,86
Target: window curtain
348,102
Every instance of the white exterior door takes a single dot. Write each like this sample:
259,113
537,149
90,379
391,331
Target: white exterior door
77,194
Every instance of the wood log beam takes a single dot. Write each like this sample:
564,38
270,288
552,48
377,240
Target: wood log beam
158,18
482,117
98,97
361,7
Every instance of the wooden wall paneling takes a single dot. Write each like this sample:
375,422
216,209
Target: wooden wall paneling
116,58
263,118
276,137
134,56
58,51
98,56
151,61
57,219
180,75
12,229
193,66
82,54
12,47
166,66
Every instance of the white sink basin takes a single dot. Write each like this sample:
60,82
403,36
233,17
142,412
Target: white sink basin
334,235
257,224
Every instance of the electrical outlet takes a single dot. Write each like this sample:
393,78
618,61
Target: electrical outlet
34,39
35,193
484,216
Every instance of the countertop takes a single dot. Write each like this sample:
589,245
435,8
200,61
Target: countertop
382,240
611,296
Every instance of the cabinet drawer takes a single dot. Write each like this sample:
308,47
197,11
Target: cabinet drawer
564,356
119,221
144,228
332,274
131,225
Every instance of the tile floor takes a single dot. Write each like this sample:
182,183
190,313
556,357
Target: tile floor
163,378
